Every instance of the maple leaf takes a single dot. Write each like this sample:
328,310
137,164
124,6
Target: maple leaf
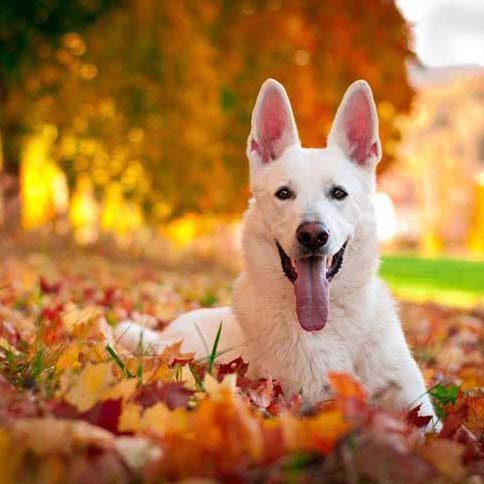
105,414
261,392
48,288
471,377
346,387
109,297
160,420
237,366
172,394
446,456
475,415
318,433
53,330
89,385
69,358
413,418
173,352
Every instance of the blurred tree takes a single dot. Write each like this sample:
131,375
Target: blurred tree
149,119
157,107
316,49
28,31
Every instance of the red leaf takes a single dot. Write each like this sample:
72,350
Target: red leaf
264,393
172,394
47,288
453,422
413,418
472,451
104,414
180,362
54,327
109,297
52,314
237,366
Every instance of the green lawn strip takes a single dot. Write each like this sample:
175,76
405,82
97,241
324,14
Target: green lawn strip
447,281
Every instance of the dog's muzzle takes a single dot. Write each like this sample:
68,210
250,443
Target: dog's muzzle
311,276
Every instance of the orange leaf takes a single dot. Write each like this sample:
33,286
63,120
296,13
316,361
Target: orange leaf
346,387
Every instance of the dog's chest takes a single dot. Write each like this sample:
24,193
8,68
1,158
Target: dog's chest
301,361
277,346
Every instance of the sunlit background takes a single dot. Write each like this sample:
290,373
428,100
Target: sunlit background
123,123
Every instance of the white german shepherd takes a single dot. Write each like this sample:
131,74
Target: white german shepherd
309,300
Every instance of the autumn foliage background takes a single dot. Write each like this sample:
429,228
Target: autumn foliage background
123,176
128,99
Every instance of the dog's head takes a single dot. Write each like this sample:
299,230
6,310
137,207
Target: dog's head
313,200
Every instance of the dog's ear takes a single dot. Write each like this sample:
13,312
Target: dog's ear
355,128
273,125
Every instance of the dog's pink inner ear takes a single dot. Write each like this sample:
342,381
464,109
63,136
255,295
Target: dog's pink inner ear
358,126
274,126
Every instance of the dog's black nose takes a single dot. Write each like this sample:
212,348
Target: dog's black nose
312,235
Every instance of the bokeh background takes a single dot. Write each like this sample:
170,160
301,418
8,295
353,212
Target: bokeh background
123,124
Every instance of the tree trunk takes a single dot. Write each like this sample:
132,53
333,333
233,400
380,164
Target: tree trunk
11,133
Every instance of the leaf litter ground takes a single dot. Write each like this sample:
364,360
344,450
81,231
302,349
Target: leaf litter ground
77,407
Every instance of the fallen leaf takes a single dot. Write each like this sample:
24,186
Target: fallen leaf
69,358
413,417
346,387
90,385
44,435
445,456
172,394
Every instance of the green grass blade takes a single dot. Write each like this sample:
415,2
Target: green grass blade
118,361
213,354
195,375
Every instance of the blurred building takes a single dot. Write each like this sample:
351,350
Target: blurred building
438,184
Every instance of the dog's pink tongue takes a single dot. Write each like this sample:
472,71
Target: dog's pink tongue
312,293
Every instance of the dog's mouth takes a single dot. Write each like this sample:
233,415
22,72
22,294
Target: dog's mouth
311,276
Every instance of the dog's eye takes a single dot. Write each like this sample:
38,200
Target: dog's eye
284,193
338,193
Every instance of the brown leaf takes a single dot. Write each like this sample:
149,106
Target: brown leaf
445,456
172,394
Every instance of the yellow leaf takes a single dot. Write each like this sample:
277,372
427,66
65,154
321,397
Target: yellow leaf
163,373
90,386
78,320
95,352
130,418
216,389
69,359
123,389
160,419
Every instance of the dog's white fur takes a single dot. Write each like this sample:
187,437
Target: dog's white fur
363,335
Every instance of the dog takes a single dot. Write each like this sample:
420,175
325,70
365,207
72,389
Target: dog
309,300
